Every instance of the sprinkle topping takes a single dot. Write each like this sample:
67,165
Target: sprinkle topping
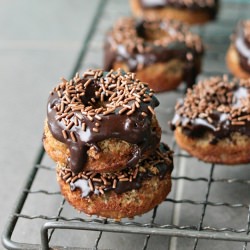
130,178
114,92
139,37
215,104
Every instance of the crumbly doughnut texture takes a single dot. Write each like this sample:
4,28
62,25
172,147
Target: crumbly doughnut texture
233,63
185,15
230,151
114,154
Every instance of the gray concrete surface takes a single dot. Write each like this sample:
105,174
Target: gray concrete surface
39,42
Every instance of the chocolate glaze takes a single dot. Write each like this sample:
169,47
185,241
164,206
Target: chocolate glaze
135,129
156,54
193,6
221,126
242,46
196,128
124,186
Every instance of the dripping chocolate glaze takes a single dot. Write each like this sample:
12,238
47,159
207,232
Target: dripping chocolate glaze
114,51
123,186
135,128
194,5
221,124
242,46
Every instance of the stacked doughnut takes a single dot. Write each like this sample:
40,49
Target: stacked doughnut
212,122
162,52
102,131
238,54
189,11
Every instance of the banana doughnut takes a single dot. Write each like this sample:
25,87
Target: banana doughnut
238,54
161,52
126,193
101,122
191,11
212,122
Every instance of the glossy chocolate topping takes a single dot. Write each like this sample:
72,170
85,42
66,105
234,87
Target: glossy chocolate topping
215,105
128,179
242,44
142,43
208,5
99,106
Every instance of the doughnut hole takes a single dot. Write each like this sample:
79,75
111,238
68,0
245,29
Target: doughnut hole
151,34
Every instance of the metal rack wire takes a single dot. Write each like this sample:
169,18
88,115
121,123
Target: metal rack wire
207,201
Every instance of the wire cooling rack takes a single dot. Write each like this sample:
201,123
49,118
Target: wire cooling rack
208,207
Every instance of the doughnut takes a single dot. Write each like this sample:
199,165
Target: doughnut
101,122
191,11
212,122
126,193
238,54
161,52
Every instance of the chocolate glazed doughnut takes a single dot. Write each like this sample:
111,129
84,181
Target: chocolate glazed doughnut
238,54
212,123
161,52
191,12
102,122
126,193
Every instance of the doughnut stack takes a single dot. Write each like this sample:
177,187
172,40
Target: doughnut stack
102,131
